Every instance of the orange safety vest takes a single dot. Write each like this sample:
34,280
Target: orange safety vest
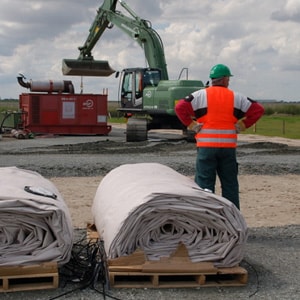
218,128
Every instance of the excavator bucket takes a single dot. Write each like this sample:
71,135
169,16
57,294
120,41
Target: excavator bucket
88,67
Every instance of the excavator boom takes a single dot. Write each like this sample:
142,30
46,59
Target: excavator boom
85,65
138,29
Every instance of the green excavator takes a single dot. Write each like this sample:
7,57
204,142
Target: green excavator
147,96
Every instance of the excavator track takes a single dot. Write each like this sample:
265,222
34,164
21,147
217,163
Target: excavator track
136,130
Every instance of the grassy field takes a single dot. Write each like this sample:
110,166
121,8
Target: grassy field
9,105
280,119
281,126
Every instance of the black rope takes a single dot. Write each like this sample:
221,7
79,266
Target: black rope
256,276
87,267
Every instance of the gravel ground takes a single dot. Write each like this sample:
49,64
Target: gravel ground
97,155
271,259
272,255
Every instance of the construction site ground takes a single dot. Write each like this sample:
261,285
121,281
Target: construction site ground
269,175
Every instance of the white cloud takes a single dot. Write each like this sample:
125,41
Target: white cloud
289,11
258,40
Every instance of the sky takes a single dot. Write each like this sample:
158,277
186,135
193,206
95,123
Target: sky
258,40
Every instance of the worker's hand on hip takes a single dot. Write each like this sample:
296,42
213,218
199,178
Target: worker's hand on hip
195,126
240,126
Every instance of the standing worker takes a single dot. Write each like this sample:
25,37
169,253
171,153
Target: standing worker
216,114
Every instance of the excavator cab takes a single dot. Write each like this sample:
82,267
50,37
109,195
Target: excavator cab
133,82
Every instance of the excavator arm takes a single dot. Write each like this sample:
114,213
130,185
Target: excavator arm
98,27
138,29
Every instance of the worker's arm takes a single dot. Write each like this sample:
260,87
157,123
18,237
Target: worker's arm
186,115
184,112
249,116
253,114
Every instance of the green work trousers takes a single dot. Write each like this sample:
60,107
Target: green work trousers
211,162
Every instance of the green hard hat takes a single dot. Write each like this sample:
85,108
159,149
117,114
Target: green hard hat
219,70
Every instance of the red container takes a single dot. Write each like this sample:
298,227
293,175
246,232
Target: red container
65,113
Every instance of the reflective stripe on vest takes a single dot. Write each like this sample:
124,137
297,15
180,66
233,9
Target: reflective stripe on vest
223,138
218,128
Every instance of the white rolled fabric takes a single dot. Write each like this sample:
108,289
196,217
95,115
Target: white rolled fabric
35,223
151,207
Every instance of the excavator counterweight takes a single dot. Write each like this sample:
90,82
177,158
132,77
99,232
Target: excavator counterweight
86,67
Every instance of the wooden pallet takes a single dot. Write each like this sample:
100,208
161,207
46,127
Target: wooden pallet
176,271
232,277
31,277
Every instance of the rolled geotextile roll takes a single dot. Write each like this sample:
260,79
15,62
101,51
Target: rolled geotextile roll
35,223
151,207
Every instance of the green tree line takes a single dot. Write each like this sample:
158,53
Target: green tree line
270,108
282,108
